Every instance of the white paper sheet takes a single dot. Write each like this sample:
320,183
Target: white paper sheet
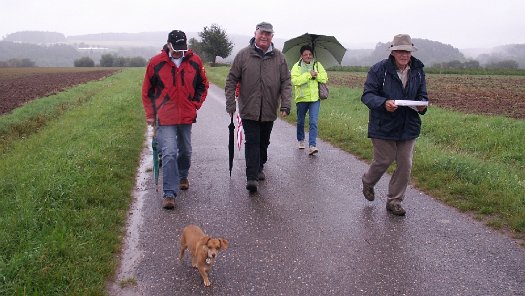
410,103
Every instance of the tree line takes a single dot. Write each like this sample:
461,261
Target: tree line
111,60
17,63
214,43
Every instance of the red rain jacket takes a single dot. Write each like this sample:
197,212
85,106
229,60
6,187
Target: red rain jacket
174,94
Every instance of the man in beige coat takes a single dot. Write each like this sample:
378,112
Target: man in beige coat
265,89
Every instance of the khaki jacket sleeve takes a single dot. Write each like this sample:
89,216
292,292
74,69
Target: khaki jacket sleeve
286,85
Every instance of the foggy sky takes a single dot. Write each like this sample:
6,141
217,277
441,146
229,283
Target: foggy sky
356,24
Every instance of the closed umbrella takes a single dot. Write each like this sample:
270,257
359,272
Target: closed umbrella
327,50
231,143
154,146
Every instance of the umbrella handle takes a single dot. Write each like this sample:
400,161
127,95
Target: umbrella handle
155,125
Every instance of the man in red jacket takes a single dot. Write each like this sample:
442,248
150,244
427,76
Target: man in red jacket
174,88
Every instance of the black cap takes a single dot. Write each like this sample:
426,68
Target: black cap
178,40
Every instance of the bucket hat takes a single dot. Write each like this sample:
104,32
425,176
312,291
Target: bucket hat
402,42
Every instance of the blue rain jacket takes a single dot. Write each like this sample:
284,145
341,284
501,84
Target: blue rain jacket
383,83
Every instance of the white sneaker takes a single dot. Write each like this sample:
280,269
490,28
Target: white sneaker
313,150
301,145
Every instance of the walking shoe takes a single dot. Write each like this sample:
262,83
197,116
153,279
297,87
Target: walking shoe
368,192
395,209
301,145
261,176
184,184
313,150
168,203
251,186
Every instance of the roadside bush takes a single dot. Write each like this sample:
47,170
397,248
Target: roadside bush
106,60
137,62
84,62
113,60
119,62
17,63
504,64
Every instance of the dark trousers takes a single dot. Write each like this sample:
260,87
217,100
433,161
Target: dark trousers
257,135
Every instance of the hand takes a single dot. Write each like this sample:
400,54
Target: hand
421,108
313,74
390,105
284,114
150,121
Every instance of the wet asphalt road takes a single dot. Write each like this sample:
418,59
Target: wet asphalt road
308,230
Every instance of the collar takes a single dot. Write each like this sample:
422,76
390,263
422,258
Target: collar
177,61
270,48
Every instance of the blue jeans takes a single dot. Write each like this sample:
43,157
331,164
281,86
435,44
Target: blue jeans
313,111
175,147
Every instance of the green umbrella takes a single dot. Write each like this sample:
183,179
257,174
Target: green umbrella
327,50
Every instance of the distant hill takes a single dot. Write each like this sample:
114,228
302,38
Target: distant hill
429,52
53,55
56,49
115,40
36,37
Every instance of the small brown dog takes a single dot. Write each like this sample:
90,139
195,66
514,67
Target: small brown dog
203,249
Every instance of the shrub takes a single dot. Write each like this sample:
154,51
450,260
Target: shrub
17,63
84,62
106,60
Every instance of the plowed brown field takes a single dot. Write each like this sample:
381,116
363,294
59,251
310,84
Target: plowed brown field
490,95
20,85
474,94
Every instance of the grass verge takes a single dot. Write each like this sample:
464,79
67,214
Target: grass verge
472,162
65,187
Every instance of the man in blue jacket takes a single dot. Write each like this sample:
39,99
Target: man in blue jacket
393,128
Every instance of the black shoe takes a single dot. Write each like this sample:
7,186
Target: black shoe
251,186
261,176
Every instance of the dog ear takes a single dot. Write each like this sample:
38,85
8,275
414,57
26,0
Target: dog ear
203,241
224,243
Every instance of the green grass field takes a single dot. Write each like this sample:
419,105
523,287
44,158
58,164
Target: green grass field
66,184
68,166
